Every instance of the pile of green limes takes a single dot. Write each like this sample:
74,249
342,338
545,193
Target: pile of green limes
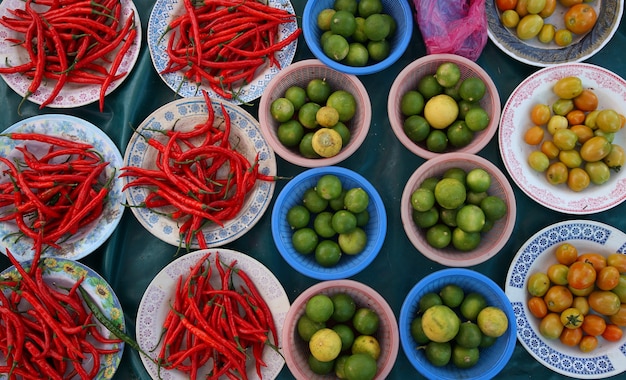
314,119
356,33
329,222
456,208
341,336
444,110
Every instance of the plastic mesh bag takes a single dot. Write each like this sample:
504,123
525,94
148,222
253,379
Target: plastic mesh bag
453,26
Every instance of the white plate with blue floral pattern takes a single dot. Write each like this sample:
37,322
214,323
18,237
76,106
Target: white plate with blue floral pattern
537,254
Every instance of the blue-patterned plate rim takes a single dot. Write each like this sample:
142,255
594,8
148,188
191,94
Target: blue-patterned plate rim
63,272
157,299
609,359
245,132
72,128
165,10
537,54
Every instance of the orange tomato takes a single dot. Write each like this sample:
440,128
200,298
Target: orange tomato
607,278
597,260
557,273
604,302
588,343
612,333
619,318
580,18
575,116
578,179
548,9
569,3
540,114
586,100
594,325
558,298
550,326
571,337
504,5
566,253
583,132
534,135
537,307
549,148
617,260
581,275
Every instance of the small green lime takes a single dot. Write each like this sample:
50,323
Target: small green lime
313,201
469,335
450,193
448,74
472,89
430,183
437,141
463,357
425,219
343,221
322,224
369,7
379,50
318,90
344,307
353,242
494,207
319,367
343,131
362,218
428,86
307,113
359,33
470,218
477,119
478,180
465,241
329,186
304,240
411,103
327,253
344,102
307,327
356,200
422,199
281,109
438,353
376,27
298,216
346,334
336,47
417,332
428,300
475,198
360,367
472,304
416,128
451,295
439,236
306,146
319,308
337,203
459,135
290,133
358,55
365,321
448,216
346,5
343,23
296,95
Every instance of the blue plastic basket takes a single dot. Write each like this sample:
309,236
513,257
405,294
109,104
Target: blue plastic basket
348,265
400,10
492,359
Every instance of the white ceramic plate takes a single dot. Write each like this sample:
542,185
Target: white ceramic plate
536,53
156,301
72,95
165,11
63,274
537,254
245,135
87,239
515,120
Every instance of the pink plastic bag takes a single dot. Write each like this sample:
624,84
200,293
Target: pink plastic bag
453,26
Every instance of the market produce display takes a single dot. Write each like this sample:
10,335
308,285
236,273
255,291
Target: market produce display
140,233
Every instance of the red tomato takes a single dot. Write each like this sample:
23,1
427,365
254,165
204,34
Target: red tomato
504,5
612,333
580,18
581,275
571,337
594,325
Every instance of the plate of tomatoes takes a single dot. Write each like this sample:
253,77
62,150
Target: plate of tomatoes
578,331
549,32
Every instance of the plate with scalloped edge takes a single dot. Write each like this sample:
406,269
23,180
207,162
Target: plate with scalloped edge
72,94
536,254
157,300
90,237
63,274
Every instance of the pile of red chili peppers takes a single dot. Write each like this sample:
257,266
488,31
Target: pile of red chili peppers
199,178
53,195
217,326
224,42
48,333
72,41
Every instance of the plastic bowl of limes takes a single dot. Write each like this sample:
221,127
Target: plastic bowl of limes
458,209
367,36
329,321
461,296
443,103
329,223
313,115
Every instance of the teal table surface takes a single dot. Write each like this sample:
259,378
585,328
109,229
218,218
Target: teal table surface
132,256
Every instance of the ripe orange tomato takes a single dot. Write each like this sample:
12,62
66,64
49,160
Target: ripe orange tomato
504,5
588,343
534,135
619,318
597,260
571,337
566,253
580,18
558,298
594,325
581,275
604,302
537,307
575,117
586,101
607,278
612,333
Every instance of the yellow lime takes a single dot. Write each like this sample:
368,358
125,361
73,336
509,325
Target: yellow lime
327,116
450,193
448,74
326,142
492,321
440,323
440,111
366,344
282,109
325,344
324,18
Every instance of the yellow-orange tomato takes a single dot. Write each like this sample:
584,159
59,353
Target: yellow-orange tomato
597,260
521,7
619,318
581,275
583,132
550,326
612,333
588,343
566,253
557,273
558,298
548,9
617,260
607,278
604,302
537,307
557,173
586,101
594,325
572,318
569,3
534,135
540,114
581,304
575,116
578,179
571,337
584,292
580,18
504,5
549,148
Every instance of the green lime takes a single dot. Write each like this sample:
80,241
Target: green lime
489,223
428,86
336,47
358,55
327,253
477,119
494,207
319,308
362,218
472,89
425,219
459,135
487,341
369,7
344,307
456,173
343,23
296,95
475,198
360,367
298,216
439,236
379,50
329,186
356,200
307,327
453,92
451,295
470,218
324,37
353,242
392,23
281,109
319,367
346,5
448,216
340,364
438,353
346,334
377,27
465,241
359,33
416,128
478,180
448,74
313,201
411,103
318,90
437,141
469,335
306,146
290,133
428,300
417,332
304,240
365,321
450,193
324,18
422,199
464,107
307,115
430,183
463,357
343,131
343,221
322,224
472,304
327,116
337,203
344,102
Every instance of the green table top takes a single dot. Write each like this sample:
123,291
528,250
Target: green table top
132,256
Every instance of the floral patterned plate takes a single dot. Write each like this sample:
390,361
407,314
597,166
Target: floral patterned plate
537,254
245,134
157,299
515,120
72,95
89,238
63,274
